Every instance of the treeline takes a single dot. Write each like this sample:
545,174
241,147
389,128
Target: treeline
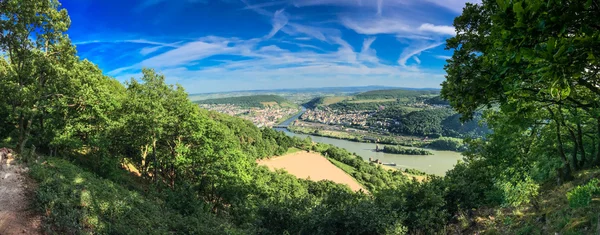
198,169
447,143
371,106
437,100
247,101
373,177
400,150
432,122
313,103
396,94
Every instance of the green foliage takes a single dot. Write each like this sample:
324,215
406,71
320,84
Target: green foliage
414,171
423,123
437,100
74,201
313,103
405,151
428,122
581,196
420,206
248,101
396,94
447,143
346,168
518,192
347,106
372,176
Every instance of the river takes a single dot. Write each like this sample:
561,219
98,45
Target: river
437,164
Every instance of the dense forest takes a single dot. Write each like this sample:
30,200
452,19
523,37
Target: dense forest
432,122
396,94
196,172
250,101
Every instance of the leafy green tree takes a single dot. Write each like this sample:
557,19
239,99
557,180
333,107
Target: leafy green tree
527,57
36,56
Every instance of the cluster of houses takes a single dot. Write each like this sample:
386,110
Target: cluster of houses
261,117
335,117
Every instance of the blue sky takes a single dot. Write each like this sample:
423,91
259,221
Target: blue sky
225,45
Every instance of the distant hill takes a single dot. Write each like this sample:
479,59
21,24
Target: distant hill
354,89
251,101
396,93
371,100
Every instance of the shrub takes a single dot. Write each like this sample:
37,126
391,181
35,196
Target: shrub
581,196
75,201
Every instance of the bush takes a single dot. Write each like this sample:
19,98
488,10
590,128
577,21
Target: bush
581,196
74,201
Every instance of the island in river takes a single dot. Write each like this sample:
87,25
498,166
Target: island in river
437,163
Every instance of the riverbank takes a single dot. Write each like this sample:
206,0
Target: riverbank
359,137
441,144
420,177
282,120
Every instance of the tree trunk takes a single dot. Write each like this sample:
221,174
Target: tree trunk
598,143
583,159
574,159
568,175
155,161
23,134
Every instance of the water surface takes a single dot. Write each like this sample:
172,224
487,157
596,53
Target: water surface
437,164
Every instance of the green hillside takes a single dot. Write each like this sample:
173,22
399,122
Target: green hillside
141,158
251,101
395,94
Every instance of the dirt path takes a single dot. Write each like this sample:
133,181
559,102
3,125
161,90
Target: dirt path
16,216
304,165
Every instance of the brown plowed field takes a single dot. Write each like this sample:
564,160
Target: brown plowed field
304,165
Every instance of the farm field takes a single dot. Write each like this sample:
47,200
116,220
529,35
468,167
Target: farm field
312,166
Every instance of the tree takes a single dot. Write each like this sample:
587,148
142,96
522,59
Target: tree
36,54
530,56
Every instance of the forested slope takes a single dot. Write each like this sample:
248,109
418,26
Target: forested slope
249,101
195,171
396,93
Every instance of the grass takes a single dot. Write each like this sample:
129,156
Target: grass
371,101
74,201
292,150
345,167
554,216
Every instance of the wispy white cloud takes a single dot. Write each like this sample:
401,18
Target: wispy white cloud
298,49
265,4
377,26
439,29
454,5
443,57
279,21
416,59
379,6
271,63
149,50
148,3
396,26
366,53
136,41
415,49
